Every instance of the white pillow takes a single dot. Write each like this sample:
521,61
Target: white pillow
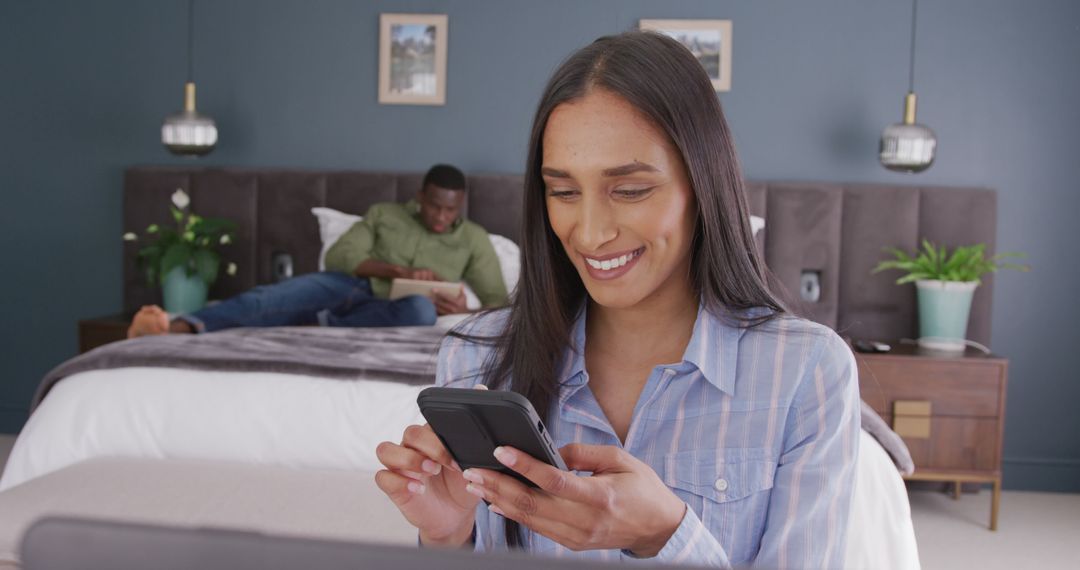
757,223
333,223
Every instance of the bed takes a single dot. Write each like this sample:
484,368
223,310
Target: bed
317,426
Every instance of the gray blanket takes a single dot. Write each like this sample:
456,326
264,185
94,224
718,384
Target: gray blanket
403,354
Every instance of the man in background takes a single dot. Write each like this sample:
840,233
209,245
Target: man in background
424,239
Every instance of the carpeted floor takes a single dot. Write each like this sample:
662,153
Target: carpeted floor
1036,530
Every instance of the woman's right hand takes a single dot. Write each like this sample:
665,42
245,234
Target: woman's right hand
426,485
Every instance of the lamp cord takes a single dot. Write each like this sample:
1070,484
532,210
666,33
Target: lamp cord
190,42
911,68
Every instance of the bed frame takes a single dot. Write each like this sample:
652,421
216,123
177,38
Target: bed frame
831,232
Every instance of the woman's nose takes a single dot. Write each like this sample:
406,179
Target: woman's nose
596,224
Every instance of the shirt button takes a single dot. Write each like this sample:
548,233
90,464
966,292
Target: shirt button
721,485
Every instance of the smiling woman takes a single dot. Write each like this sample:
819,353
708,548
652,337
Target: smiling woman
704,424
614,219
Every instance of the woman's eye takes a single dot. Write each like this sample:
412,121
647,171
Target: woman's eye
632,193
562,193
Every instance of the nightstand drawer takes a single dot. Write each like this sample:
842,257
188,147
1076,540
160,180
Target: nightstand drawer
957,444
960,389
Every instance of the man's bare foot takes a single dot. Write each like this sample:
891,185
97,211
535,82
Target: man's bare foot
150,320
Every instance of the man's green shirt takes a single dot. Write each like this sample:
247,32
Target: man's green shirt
394,233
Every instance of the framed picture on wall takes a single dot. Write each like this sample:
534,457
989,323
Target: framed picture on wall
708,40
412,59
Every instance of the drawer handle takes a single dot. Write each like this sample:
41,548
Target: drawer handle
911,418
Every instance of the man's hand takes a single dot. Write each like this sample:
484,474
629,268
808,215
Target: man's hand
447,305
375,268
420,274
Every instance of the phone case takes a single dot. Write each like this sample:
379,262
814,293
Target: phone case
472,423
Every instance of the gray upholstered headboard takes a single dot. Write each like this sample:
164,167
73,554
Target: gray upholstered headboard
835,230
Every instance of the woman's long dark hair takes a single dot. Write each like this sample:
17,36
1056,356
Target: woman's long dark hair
667,84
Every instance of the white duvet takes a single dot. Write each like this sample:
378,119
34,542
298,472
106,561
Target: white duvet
306,422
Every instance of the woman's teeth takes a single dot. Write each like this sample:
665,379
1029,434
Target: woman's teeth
609,264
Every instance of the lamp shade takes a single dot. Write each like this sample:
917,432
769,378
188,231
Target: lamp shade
188,133
908,146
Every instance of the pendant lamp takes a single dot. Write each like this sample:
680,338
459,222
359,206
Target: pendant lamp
188,133
908,146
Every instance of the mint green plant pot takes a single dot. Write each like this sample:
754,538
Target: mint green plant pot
183,293
944,307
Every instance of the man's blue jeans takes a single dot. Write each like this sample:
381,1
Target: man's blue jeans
328,298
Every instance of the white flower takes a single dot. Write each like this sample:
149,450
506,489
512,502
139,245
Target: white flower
225,239
180,199
130,236
230,268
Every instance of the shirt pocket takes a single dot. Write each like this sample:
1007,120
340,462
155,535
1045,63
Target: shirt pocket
721,476
729,489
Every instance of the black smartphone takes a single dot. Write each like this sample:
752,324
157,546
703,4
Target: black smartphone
472,423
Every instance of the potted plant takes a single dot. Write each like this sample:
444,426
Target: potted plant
945,286
184,259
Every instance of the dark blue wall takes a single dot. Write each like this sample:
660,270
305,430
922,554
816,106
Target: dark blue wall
84,87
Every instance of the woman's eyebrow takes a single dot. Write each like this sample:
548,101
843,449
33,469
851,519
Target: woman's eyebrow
623,170
630,169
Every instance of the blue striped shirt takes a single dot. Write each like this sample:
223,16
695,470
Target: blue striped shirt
755,429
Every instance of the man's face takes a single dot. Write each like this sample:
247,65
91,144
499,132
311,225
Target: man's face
439,207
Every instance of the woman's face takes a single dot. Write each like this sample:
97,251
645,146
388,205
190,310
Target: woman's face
619,200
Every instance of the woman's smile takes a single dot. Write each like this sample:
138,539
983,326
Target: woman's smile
612,266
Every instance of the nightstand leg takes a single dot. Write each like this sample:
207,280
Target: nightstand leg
995,503
956,490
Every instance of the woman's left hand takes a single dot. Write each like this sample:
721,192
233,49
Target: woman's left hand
624,504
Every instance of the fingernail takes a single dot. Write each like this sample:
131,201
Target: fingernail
431,467
496,510
505,456
474,490
473,476
417,488
480,387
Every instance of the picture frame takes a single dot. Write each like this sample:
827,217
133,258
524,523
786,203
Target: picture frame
708,40
412,59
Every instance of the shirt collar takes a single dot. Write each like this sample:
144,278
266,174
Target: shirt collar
413,207
713,349
573,373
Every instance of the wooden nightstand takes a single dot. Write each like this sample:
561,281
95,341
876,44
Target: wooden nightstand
949,409
102,330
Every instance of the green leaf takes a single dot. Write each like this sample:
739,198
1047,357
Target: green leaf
206,265
967,263
177,255
177,214
215,225
912,277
